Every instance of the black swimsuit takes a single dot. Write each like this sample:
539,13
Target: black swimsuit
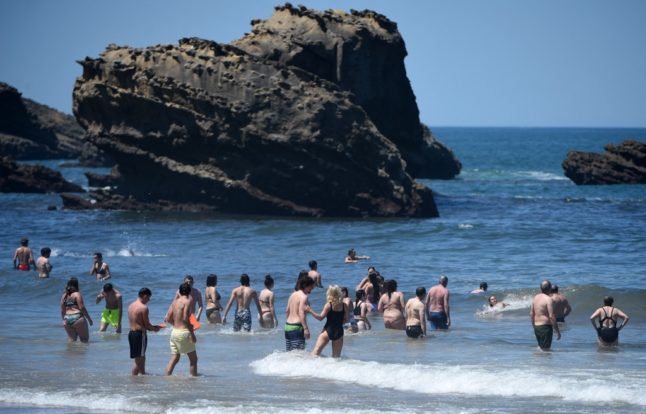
334,324
608,334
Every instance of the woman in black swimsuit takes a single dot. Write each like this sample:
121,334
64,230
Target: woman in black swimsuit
607,331
335,312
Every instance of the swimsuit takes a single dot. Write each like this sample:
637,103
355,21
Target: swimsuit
23,266
138,341
544,335
210,311
180,341
110,316
608,334
414,331
294,336
71,318
560,319
334,324
438,320
242,320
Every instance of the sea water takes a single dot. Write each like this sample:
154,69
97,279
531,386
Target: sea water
511,218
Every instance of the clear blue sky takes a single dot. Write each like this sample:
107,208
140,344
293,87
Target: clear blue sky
470,62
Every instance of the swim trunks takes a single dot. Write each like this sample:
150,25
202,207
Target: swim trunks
138,341
23,266
294,336
544,335
560,319
110,317
242,320
71,318
414,331
608,335
180,341
438,320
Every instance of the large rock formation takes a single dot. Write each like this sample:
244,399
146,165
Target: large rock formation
362,52
32,131
621,164
15,178
209,125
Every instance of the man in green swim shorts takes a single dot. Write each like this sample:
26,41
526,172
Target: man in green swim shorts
113,311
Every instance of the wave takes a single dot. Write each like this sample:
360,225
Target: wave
588,386
123,252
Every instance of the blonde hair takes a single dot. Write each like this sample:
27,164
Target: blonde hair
334,295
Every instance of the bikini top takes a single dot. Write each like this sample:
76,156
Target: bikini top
357,308
70,302
100,269
606,317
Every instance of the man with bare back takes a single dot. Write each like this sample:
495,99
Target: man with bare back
139,324
182,338
437,305
314,273
243,295
543,318
296,329
23,258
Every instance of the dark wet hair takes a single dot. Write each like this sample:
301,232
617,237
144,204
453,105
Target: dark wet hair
608,301
189,277
107,287
304,282
312,264
555,288
98,254
484,286
301,274
359,294
244,279
345,292
391,286
269,281
144,291
184,289
420,292
211,280
374,280
72,286
351,251
24,242
45,251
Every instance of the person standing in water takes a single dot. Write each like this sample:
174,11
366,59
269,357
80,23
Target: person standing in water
43,267
392,305
334,311
296,329
314,273
139,324
243,295
212,298
561,305
437,305
542,316
195,298
23,258
607,331
74,313
182,338
268,317
360,311
100,268
416,315
113,311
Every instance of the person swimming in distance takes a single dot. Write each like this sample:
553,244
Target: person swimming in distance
494,304
352,257
482,289
607,331
314,273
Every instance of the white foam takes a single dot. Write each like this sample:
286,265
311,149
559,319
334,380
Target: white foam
571,385
465,226
71,399
541,176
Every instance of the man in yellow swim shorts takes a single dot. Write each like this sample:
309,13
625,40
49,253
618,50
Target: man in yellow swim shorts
182,338
113,311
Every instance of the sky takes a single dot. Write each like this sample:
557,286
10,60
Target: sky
520,63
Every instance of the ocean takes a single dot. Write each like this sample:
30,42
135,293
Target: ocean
511,218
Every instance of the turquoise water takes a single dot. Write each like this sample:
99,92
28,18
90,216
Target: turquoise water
511,218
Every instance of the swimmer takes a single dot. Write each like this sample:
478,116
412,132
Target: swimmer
371,285
212,298
483,288
243,295
334,311
353,258
494,304
314,273
139,323
416,315
361,309
23,257
437,305
43,267
542,316
562,307
607,331
268,317
392,305
100,268
182,337
113,307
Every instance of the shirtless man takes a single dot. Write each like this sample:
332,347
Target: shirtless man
437,305
416,315
23,257
100,268
243,295
182,338
314,273
113,311
139,323
353,258
43,267
542,316
195,298
561,305
296,329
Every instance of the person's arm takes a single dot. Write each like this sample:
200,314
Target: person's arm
625,318
99,297
200,306
107,275
146,322
381,306
423,321
362,283
254,295
272,308
83,309
63,308
348,259
568,308
447,309
402,304
362,257
229,303
302,309
323,313
532,314
120,307
186,314
427,305
593,317
31,259
93,268
551,315
15,259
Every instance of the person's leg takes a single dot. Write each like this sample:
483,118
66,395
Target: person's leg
337,346
82,330
322,340
192,358
71,333
174,359
139,366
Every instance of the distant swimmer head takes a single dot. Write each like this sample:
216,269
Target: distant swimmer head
313,264
420,292
107,287
608,301
444,280
484,286
185,289
45,252
546,287
269,281
244,279
24,241
352,253
492,301
212,280
334,295
555,288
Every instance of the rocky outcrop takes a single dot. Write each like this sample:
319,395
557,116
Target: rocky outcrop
203,125
621,164
29,130
362,52
15,178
